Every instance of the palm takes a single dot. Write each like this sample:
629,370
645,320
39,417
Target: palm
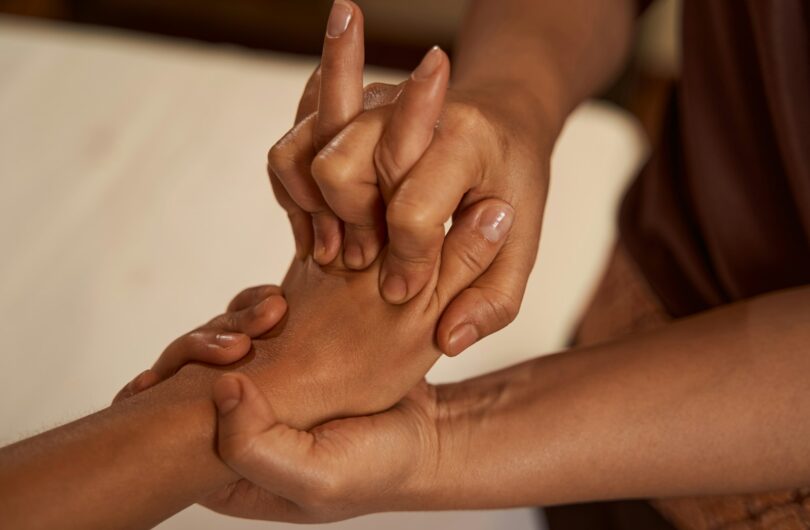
352,448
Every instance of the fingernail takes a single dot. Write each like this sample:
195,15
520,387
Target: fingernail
339,19
430,62
461,338
353,256
228,394
394,288
226,340
495,222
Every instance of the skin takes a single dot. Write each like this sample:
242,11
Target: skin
315,365
485,145
641,417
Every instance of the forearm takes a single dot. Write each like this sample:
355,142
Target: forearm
713,404
557,52
128,466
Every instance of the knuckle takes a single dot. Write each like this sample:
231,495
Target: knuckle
332,168
407,217
502,306
466,117
279,159
385,163
473,258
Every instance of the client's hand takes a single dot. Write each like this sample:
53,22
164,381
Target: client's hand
223,340
343,351
290,475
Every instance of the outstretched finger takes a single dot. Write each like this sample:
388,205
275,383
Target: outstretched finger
413,121
340,98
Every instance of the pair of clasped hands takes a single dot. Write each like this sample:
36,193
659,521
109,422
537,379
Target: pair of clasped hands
325,413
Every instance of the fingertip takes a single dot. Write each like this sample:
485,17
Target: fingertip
271,310
147,379
394,288
227,393
326,231
430,65
460,338
353,256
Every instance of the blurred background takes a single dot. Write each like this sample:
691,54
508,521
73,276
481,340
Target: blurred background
398,32
133,135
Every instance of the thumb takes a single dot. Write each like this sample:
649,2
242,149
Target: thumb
254,444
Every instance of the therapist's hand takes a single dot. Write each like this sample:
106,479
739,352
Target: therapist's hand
388,170
341,469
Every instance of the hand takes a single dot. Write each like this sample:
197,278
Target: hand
341,469
223,340
485,145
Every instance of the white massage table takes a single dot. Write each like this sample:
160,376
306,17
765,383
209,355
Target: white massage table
134,204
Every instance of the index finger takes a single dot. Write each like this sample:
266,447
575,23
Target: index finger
340,98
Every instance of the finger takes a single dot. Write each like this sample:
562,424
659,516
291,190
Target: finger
416,215
471,245
300,220
142,381
367,156
340,98
252,321
252,296
413,121
202,345
344,172
250,441
493,300
309,99
289,160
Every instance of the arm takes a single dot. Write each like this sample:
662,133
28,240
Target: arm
713,404
139,461
146,458
554,53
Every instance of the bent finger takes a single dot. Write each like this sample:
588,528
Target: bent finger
345,174
491,302
202,345
252,321
416,215
289,161
252,296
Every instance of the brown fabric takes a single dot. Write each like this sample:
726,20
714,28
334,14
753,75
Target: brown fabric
624,303
722,210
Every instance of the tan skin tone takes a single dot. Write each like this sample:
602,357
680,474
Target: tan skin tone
668,413
521,67
688,402
315,365
639,417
